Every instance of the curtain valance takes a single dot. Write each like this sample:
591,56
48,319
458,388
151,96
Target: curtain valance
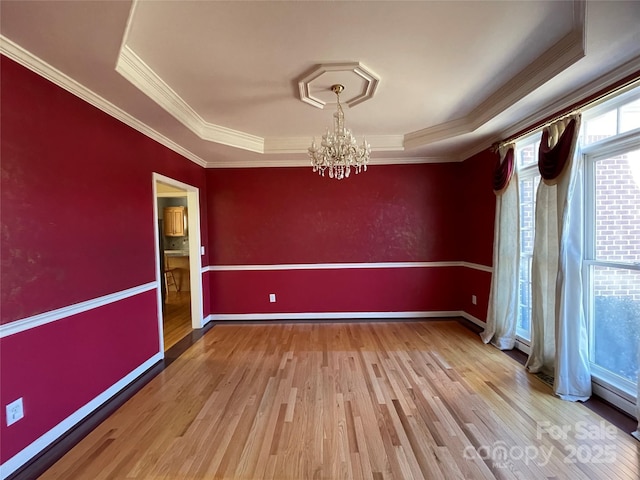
557,148
503,170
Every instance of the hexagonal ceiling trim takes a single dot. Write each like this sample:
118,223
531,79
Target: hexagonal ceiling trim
320,78
315,89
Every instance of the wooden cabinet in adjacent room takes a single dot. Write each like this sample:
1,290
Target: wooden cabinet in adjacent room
175,220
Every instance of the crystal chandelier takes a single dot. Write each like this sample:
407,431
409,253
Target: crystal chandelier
339,151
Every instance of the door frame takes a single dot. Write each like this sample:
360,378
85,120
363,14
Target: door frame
195,251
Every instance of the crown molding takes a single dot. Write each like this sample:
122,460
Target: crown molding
438,132
627,69
282,145
136,71
554,60
28,60
143,77
266,162
386,143
560,56
277,145
473,150
411,160
602,83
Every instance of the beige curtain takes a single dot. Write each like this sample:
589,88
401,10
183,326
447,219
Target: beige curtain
559,335
503,296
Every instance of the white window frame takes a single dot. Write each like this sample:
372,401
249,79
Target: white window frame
604,107
607,385
619,391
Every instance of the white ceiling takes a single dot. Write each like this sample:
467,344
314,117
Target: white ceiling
218,81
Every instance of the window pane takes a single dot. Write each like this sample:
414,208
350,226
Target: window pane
603,126
617,196
523,328
630,116
528,189
616,318
528,155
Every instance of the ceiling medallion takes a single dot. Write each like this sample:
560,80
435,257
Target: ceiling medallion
360,81
339,151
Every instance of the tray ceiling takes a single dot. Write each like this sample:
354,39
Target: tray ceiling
237,83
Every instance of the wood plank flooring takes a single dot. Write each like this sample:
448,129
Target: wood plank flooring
176,318
349,400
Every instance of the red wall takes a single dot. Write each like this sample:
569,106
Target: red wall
77,199
391,213
473,282
77,224
477,232
76,207
335,290
61,366
478,213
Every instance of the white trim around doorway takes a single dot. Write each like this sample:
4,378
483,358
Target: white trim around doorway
195,276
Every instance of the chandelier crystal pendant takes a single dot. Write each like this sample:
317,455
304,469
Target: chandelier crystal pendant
339,151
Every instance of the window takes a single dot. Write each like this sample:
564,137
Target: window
528,181
610,142
612,256
611,122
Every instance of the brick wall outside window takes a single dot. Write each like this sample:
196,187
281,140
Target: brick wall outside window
617,227
613,301
617,223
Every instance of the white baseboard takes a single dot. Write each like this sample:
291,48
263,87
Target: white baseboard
343,266
614,397
218,317
522,346
471,318
327,315
38,445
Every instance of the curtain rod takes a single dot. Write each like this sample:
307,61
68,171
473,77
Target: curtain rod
598,99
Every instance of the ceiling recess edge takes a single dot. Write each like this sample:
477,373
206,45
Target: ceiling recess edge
30,61
560,56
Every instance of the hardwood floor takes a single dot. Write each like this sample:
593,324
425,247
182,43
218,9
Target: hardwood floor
176,318
349,400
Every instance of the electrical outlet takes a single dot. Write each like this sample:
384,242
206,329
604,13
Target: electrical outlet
272,297
474,300
15,411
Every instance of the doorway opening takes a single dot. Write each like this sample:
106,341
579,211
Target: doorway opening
178,270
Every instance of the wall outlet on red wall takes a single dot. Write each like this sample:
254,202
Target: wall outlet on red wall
474,299
15,411
272,297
